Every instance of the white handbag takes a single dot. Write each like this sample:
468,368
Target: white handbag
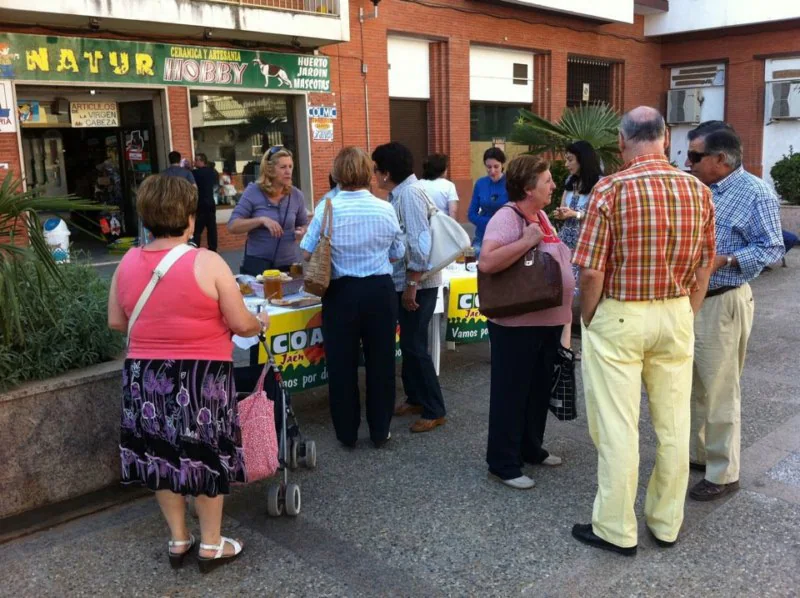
448,239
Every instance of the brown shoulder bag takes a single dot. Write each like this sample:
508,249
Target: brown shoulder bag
532,283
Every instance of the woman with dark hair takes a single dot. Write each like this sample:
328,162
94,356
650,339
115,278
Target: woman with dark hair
524,347
584,172
394,168
439,189
273,214
488,195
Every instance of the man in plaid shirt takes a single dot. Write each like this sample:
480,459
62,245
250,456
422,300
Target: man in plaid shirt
646,252
748,239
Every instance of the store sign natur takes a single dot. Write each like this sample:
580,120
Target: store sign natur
86,60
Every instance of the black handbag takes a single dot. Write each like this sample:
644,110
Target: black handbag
563,394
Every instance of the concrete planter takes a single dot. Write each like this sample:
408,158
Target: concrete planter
60,438
790,218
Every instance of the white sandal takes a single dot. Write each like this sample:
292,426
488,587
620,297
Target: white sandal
176,558
209,564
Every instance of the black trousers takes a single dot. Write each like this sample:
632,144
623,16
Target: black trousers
522,370
206,220
365,310
420,382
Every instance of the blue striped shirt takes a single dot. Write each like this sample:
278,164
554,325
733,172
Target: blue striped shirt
748,226
411,202
366,235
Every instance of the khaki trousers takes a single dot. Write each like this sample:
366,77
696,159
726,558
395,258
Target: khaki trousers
722,329
625,344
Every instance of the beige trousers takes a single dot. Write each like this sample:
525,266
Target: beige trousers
722,328
625,344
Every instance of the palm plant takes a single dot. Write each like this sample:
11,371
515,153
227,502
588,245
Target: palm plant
22,243
597,124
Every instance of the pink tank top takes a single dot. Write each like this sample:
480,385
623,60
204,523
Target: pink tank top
179,321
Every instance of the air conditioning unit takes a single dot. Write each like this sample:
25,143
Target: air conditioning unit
683,106
785,100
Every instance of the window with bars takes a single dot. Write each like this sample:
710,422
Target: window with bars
588,78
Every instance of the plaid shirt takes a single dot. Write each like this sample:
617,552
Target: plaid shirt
748,227
649,227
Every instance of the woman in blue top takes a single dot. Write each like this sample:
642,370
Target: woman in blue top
584,172
488,195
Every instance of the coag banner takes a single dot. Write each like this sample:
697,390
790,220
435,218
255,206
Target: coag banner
465,324
87,60
295,341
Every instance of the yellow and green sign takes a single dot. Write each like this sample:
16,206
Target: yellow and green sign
465,323
87,60
295,340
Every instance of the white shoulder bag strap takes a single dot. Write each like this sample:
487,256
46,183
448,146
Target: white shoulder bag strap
163,267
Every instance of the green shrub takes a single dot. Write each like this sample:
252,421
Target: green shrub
64,323
558,169
786,175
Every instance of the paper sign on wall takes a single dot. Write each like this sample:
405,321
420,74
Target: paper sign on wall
94,114
322,129
8,111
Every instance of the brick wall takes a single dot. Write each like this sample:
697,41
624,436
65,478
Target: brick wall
454,25
9,153
744,96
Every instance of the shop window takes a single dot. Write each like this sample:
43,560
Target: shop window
235,130
520,74
488,121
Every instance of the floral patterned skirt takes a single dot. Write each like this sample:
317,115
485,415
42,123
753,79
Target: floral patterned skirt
180,426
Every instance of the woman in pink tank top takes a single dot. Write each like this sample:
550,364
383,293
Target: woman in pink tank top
180,432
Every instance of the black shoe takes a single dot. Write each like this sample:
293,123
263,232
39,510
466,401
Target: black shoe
348,445
382,443
660,542
583,533
697,466
705,490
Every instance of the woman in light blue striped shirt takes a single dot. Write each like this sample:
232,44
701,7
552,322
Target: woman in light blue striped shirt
360,305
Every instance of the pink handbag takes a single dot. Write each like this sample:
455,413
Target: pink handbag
259,438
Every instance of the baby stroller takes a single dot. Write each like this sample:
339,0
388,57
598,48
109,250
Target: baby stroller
293,448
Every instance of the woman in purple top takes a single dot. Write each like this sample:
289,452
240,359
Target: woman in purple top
273,214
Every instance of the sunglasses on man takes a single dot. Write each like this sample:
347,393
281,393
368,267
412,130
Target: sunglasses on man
695,157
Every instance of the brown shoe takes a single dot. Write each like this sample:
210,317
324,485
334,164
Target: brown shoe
407,409
705,490
426,425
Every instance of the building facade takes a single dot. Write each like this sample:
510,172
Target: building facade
127,82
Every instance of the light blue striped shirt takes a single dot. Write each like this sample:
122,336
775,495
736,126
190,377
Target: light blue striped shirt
411,203
366,235
748,226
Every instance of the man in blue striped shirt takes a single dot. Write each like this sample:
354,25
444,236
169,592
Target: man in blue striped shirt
748,230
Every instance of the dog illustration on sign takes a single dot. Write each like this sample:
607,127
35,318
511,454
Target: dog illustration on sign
268,71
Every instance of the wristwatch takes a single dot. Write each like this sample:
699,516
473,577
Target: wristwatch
729,261
579,215
412,283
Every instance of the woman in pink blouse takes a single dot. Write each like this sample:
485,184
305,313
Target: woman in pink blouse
524,347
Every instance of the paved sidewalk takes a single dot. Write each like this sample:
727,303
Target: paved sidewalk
421,518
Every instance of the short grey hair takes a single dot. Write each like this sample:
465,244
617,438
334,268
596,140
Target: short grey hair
650,128
725,141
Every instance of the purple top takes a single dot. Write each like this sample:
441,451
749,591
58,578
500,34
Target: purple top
289,213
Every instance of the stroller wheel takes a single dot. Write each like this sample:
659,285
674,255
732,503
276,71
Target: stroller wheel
274,500
293,500
310,457
292,454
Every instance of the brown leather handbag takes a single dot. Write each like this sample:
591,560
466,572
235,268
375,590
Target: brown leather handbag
318,269
532,283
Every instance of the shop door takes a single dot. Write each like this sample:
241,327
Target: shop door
139,157
409,125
